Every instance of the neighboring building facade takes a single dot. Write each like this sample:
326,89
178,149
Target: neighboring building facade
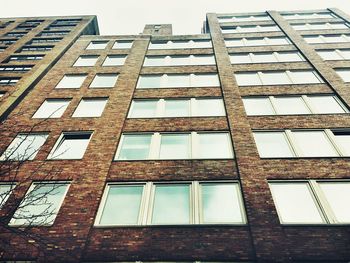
228,146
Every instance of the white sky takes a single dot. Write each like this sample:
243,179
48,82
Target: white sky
118,17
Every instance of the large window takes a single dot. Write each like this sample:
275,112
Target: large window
71,81
266,57
40,205
289,105
171,203
52,108
114,60
344,73
165,108
179,60
312,202
180,44
24,147
256,41
303,143
249,29
86,61
201,145
178,81
90,107
104,81
334,38
277,77
334,54
319,26
70,145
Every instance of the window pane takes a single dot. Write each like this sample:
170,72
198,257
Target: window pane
300,77
71,82
114,60
345,53
272,144
71,146
86,61
171,204
214,145
149,81
325,104
247,79
291,105
342,139
313,144
178,81
256,42
344,74
275,78
52,108
154,61
263,57
278,41
5,191
143,109
258,106
329,55
40,205
295,204
176,108
313,39
210,107
289,56
234,42
175,146
338,196
203,60
90,108
221,203
334,38
122,206
97,45
205,80
240,58
135,147
122,44
104,81
179,60
24,147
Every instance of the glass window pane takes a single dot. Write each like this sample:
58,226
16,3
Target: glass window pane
234,42
176,108
179,44
5,191
300,77
114,60
71,82
71,146
344,74
338,196
264,57
52,108
178,81
289,56
247,79
258,106
203,60
313,144
135,147
122,205
256,42
175,146
171,204
97,45
90,108
154,61
272,144
278,41
313,39
205,80
325,104
104,81
122,44
40,205
240,58
202,43
295,203
86,61
179,60
290,105
221,203
329,55
334,38
275,78
342,139
210,107
214,145
143,109
149,81
345,53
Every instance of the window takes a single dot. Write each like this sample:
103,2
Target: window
122,44
266,57
312,201
277,77
53,33
315,39
104,81
344,73
334,54
306,104
171,203
90,107
97,45
179,60
86,61
201,145
180,44
36,48
319,26
303,143
260,41
70,145
71,82
245,18
178,81
114,60
28,57
8,81
307,16
40,205
52,108
249,29
45,40
5,192
24,147
176,108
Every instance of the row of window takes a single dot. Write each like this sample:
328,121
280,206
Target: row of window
249,29
288,105
179,60
137,146
24,57
256,41
289,16
8,81
36,48
15,68
90,60
183,203
53,33
99,81
102,44
266,57
303,143
44,40
330,38
243,18
320,26
334,54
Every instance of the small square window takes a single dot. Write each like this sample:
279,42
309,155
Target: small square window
122,44
90,107
97,45
70,145
71,82
86,61
52,108
104,81
114,60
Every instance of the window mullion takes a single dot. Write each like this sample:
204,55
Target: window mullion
194,141
160,112
296,150
195,202
290,76
308,104
155,146
332,139
251,57
150,204
164,80
273,104
145,205
193,107
260,76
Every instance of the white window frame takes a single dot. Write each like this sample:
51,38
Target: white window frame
244,18
148,197
319,198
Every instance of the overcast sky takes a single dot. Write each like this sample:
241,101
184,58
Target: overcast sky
117,17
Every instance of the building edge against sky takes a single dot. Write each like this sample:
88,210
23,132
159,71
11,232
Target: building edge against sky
226,146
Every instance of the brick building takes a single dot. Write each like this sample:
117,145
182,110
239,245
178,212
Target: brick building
227,146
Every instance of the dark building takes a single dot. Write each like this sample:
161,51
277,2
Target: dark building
228,146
